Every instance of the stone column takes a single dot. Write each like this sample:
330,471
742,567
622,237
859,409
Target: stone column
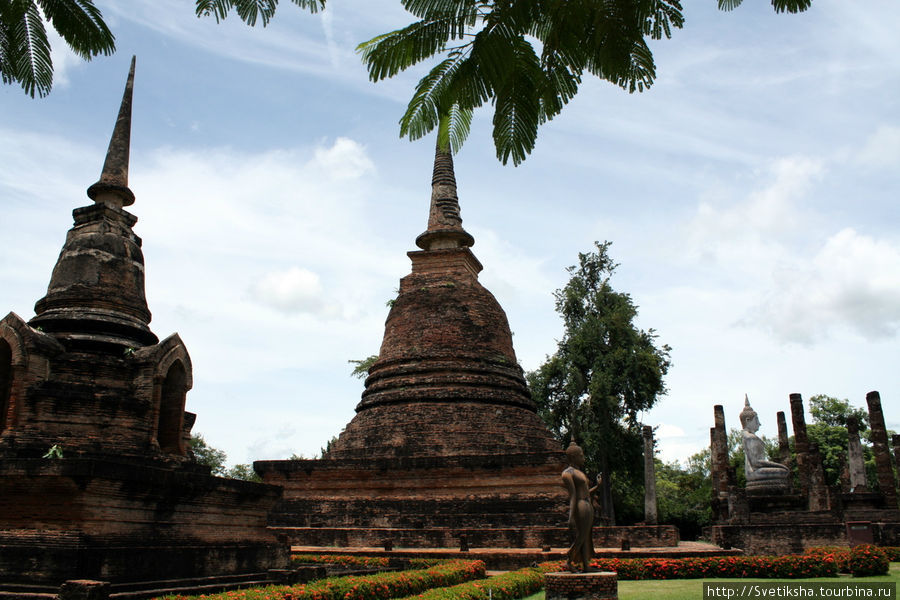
784,446
718,458
719,450
886,483
801,442
856,464
650,513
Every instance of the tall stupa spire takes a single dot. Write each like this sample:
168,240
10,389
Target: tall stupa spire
445,228
96,294
112,187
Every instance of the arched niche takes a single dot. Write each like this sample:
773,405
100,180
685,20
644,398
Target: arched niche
6,377
171,409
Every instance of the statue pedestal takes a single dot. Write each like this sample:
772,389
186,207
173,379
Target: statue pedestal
581,586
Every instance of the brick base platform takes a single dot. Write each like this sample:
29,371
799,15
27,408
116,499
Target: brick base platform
581,586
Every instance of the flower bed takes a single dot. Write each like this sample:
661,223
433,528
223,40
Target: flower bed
764,567
344,560
381,586
867,559
352,561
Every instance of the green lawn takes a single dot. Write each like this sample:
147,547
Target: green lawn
692,589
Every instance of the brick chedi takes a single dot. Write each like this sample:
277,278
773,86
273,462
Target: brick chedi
446,441
96,478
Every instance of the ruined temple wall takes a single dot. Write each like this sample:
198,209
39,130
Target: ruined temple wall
417,478
81,517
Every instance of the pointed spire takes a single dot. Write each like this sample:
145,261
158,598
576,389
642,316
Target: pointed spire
444,223
112,187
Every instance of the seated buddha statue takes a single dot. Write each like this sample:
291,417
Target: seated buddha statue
764,477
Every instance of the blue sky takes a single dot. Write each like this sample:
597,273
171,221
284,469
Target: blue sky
750,195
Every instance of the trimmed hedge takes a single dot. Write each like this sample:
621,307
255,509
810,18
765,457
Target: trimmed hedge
867,559
345,560
763,567
380,586
362,562
507,586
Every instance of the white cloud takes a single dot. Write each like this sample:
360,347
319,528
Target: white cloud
345,159
852,282
882,149
296,290
666,430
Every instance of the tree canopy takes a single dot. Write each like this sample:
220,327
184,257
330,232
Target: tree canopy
604,373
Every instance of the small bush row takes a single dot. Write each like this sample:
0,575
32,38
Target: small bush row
380,586
862,560
344,560
763,567
507,586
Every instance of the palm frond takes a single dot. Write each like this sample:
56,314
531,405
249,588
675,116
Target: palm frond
81,25
434,9
517,110
426,106
454,128
312,6
791,6
28,52
391,53
729,4
249,11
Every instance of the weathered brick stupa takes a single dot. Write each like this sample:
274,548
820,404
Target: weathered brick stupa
446,441
96,480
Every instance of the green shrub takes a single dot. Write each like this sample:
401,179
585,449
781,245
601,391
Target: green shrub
507,586
771,567
840,554
380,586
345,560
867,559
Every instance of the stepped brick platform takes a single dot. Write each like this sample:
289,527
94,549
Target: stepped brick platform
581,586
96,478
446,440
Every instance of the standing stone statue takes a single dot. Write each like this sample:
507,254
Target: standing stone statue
764,477
581,510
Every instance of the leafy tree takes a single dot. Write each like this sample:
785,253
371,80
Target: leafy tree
604,373
362,366
25,49
682,494
244,472
828,430
207,455
215,460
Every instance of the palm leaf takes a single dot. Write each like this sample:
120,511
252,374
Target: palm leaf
81,25
517,110
791,6
454,128
28,52
250,11
391,53
425,108
312,6
729,4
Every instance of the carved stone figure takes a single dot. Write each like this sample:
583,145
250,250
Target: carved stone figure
764,477
581,510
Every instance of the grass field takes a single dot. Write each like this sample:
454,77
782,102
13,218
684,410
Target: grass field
692,589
